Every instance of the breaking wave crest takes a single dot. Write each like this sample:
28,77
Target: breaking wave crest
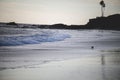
39,37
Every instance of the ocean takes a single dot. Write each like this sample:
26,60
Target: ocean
54,54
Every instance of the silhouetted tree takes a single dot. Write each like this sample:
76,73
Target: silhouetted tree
102,7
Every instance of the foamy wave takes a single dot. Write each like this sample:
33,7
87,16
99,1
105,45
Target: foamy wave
43,36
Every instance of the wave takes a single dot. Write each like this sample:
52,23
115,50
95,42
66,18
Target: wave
38,38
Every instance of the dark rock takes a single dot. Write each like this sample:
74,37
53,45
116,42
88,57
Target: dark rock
110,23
11,23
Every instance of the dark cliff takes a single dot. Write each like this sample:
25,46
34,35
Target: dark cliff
110,23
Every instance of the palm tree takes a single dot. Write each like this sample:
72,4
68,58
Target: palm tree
102,7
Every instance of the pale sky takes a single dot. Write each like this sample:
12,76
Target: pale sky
54,11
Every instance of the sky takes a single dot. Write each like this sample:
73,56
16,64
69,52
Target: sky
54,11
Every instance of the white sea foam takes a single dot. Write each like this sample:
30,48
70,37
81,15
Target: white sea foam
17,36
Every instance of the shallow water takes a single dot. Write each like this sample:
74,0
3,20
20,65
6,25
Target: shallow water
68,57
89,67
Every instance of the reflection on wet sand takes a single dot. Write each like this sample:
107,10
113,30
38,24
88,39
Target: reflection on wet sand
110,66
103,67
111,58
102,59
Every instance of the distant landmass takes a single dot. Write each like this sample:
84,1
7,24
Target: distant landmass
111,22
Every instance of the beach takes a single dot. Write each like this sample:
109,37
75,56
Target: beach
74,55
91,67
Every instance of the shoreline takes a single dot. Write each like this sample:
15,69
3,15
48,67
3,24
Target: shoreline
87,53
85,68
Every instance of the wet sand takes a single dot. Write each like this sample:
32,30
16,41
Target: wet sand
104,66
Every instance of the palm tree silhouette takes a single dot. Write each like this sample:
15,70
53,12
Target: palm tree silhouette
102,7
